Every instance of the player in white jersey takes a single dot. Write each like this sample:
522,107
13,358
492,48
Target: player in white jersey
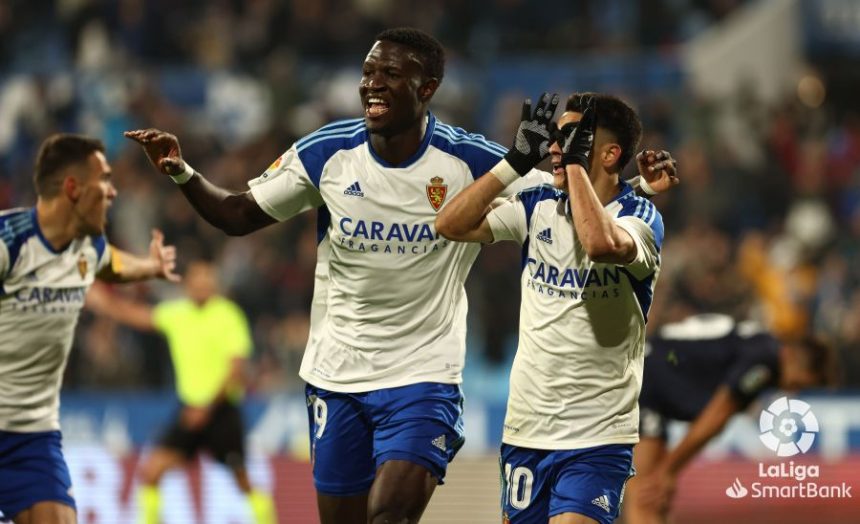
591,255
386,348
49,256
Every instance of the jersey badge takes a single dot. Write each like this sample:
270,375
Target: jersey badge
82,265
436,192
275,164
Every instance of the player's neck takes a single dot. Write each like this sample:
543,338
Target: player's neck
399,147
606,187
55,222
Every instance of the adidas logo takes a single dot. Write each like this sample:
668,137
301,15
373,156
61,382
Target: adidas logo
545,235
439,442
602,502
354,190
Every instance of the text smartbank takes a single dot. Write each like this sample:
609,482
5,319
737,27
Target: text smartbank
806,484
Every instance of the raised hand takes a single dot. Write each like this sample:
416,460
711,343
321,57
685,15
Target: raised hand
163,256
577,146
161,148
531,143
658,169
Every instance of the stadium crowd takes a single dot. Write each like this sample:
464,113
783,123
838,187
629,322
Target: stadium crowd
765,223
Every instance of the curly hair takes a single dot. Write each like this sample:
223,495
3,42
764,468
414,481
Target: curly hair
431,51
614,115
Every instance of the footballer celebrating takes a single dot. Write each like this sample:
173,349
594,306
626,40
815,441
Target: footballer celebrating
49,256
384,359
591,256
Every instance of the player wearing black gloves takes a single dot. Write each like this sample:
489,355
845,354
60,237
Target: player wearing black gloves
590,262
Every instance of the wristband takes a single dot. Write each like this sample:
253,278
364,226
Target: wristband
185,176
646,187
506,174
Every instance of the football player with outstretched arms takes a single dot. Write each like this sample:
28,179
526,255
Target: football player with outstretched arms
49,256
591,257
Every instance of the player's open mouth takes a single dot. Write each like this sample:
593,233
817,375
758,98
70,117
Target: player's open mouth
375,107
558,169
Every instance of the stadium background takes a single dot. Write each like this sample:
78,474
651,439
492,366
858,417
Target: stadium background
758,101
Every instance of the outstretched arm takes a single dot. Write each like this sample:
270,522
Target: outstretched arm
233,213
125,267
135,315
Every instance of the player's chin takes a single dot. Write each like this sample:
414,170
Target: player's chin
377,123
97,228
559,180
377,127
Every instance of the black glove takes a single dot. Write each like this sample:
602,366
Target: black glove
531,144
576,148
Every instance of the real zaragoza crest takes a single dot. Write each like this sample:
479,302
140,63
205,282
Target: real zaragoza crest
82,265
436,192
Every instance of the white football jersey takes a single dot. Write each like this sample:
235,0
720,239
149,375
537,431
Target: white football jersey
389,307
577,373
42,294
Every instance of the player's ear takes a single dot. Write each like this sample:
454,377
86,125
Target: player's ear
609,154
71,188
428,89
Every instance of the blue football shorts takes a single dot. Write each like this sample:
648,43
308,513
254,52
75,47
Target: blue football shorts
32,469
352,434
539,484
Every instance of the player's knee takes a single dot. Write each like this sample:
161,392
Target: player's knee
149,473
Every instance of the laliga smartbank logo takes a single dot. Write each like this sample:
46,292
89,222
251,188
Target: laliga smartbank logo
788,427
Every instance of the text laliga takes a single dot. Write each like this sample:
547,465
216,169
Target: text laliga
790,470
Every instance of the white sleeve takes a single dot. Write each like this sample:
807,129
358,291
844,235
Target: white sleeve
4,260
285,189
508,221
647,253
533,178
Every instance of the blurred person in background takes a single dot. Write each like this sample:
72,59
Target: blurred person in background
210,343
703,370
50,255
590,263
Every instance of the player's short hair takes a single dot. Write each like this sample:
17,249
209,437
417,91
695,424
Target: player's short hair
820,358
58,152
614,115
431,50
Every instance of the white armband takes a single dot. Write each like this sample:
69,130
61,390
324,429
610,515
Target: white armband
185,176
506,174
646,187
